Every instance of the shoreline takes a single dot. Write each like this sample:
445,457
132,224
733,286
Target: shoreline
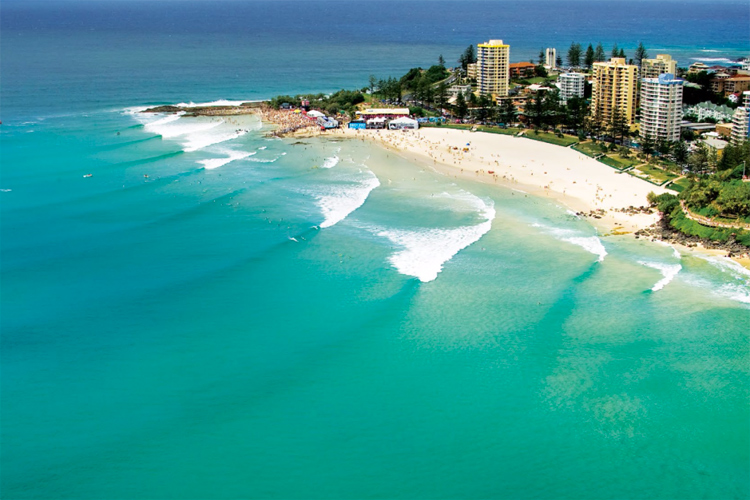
614,203
609,213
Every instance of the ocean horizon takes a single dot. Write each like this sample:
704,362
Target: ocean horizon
191,308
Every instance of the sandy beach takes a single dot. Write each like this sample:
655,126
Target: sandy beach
578,182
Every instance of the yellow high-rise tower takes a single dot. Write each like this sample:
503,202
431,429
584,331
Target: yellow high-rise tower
615,91
493,58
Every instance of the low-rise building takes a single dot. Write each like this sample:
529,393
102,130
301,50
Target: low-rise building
717,145
697,67
522,70
717,82
471,71
724,129
736,84
571,85
458,89
387,113
706,110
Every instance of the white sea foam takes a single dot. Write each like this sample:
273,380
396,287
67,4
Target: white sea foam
262,148
264,160
726,265
220,162
172,126
591,244
198,140
424,252
713,59
220,102
675,253
668,271
732,291
6,190
338,203
135,110
330,162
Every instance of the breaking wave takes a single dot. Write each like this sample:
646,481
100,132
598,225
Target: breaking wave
330,162
668,271
713,59
424,252
591,244
338,203
220,162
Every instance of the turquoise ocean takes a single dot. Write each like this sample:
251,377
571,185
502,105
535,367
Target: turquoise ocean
218,314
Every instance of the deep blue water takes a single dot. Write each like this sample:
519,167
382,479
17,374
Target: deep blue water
218,314
60,56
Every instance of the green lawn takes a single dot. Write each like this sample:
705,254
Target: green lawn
680,185
669,165
615,163
588,148
480,128
565,140
654,174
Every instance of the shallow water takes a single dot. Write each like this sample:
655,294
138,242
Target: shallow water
269,327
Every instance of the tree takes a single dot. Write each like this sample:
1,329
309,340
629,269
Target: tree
588,60
680,152
508,111
540,71
559,61
599,53
647,145
576,110
615,53
460,108
574,55
553,111
372,83
541,57
618,125
441,61
640,54
622,54
535,109
699,159
468,57
441,95
484,103
663,147
734,199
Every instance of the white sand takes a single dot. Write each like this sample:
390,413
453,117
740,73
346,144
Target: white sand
572,178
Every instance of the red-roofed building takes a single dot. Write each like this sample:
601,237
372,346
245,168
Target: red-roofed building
522,70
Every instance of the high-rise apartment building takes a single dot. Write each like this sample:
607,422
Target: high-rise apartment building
493,58
741,120
614,92
652,68
661,107
551,58
571,85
